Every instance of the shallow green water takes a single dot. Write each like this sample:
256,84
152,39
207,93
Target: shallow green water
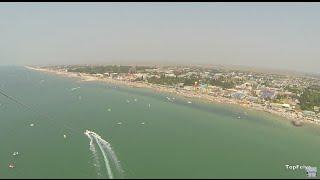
178,140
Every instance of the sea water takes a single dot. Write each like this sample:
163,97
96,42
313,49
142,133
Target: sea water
156,138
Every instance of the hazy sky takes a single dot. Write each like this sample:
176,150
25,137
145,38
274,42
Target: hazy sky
278,35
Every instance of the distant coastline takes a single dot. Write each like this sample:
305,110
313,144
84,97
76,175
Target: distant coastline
297,121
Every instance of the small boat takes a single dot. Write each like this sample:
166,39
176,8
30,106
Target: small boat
143,123
31,124
12,166
239,117
119,123
109,109
64,136
73,89
149,105
135,100
15,153
189,102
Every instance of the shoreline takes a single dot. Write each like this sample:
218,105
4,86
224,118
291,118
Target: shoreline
293,117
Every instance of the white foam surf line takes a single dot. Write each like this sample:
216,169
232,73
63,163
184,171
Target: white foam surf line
95,155
105,159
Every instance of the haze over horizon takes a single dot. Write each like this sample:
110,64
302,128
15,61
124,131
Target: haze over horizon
265,35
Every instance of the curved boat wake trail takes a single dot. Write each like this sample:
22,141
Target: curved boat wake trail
113,156
109,171
96,162
107,153
103,145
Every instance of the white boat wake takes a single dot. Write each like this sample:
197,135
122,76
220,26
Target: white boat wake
107,153
96,162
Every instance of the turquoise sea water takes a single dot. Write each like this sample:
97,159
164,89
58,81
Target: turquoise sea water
177,139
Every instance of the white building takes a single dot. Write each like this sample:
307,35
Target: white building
169,75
